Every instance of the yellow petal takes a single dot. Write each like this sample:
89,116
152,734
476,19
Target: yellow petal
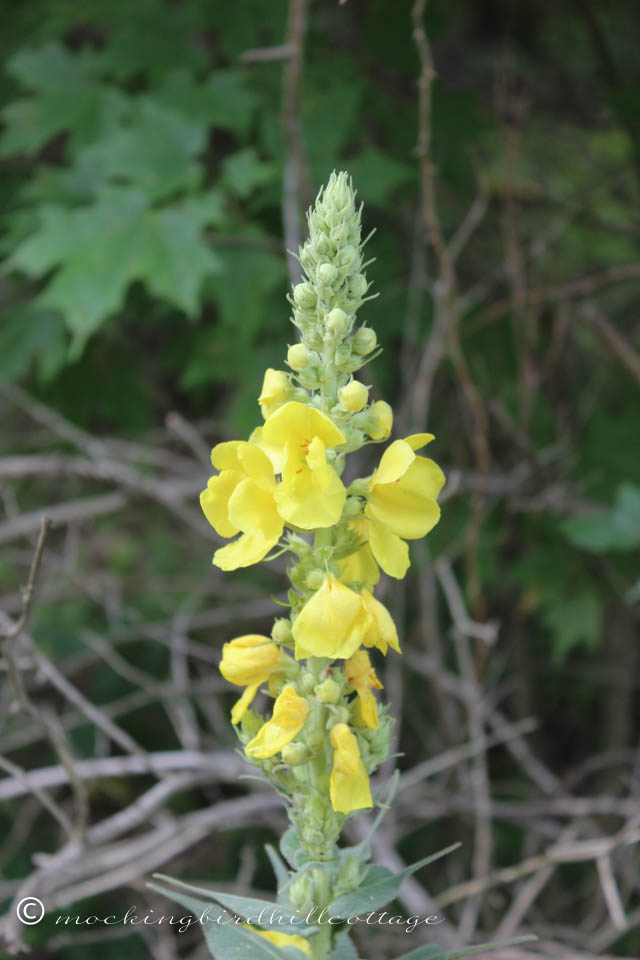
296,421
215,501
408,506
311,494
249,659
253,509
332,623
241,706
275,388
360,673
349,784
417,440
360,567
244,456
289,715
247,549
282,939
272,452
394,463
390,551
382,632
367,709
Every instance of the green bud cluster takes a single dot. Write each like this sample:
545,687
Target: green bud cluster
325,305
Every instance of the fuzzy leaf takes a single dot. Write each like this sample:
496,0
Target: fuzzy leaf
431,951
279,868
344,948
228,940
249,908
379,886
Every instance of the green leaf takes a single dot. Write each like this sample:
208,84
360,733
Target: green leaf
344,948
432,951
228,940
101,249
29,335
291,848
154,151
379,886
482,947
249,908
224,101
575,622
429,951
279,868
377,175
55,76
243,172
170,35
615,529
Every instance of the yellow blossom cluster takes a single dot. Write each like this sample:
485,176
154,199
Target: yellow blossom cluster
282,490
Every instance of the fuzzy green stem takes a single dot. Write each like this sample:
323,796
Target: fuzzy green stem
320,943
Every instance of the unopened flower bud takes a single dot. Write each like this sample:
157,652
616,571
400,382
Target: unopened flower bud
304,295
358,286
381,420
354,396
337,321
281,631
341,715
328,691
326,273
301,892
346,255
298,356
308,682
315,579
295,753
365,340
352,507
342,355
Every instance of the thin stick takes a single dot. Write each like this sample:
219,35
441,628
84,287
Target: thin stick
294,169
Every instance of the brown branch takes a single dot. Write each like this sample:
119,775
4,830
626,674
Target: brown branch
617,345
295,188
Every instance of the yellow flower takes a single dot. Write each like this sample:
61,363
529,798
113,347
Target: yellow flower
247,662
311,494
289,715
360,567
382,420
275,389
402,502
362,678
333,623
349,783
281,939
382,633
241,499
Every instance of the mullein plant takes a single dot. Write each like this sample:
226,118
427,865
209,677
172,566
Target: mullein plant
324,730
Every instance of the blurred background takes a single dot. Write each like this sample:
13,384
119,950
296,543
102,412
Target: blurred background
156,158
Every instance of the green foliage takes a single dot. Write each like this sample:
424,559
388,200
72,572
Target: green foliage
615,529
380,886
102,248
